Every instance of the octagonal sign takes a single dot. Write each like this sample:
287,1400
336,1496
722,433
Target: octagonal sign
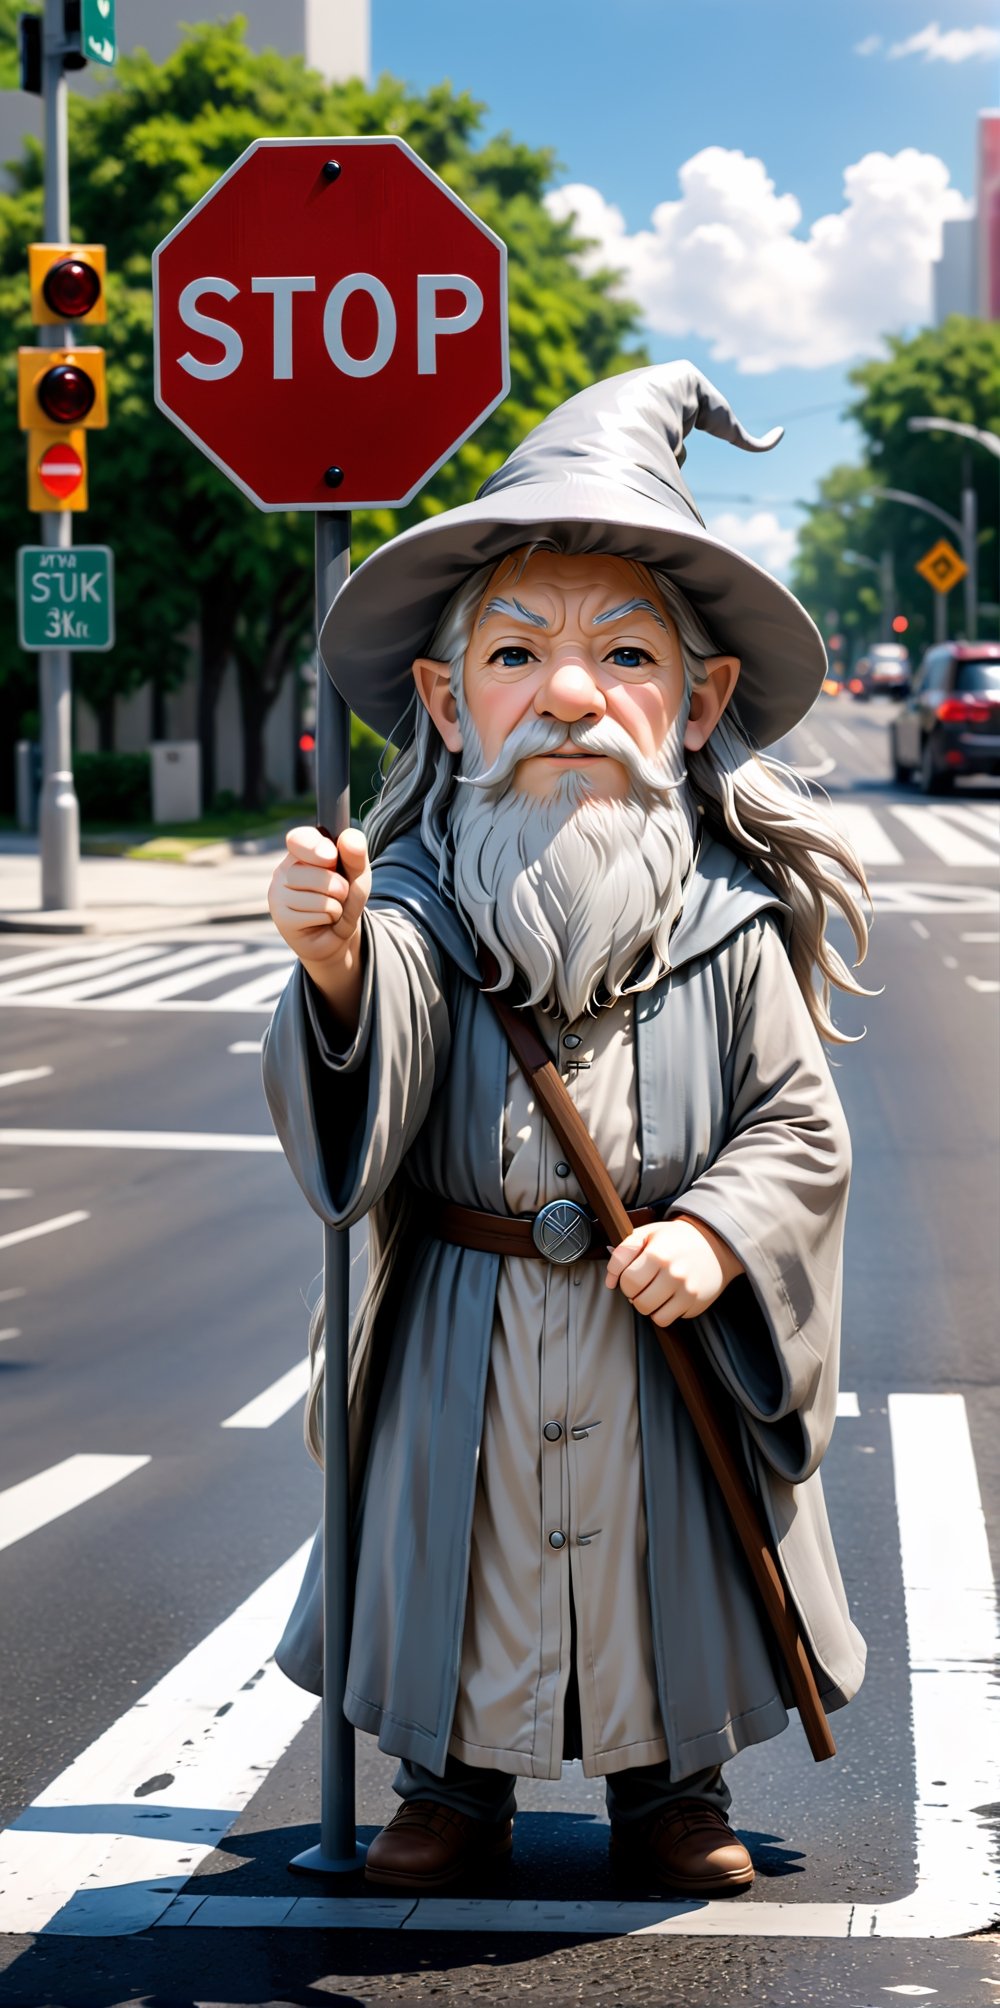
330,323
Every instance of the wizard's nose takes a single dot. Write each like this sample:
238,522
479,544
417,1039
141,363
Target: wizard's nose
570,692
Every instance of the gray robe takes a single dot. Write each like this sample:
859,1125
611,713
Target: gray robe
740,1126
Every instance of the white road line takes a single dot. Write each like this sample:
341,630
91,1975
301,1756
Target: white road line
991,938
986,985
862,828
274,1402
942,837
11,1332
262,990
24,1074
847,1404
169,986
118,958
116,979
30,1139
41,1226
928,896
7,1296
207,1734
919,928
950,961
984,818
245,1046
35,1501
950,1604
41,958
951,1624
16,1192
819,772
844,732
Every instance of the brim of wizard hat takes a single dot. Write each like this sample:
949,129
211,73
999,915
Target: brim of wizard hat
386,612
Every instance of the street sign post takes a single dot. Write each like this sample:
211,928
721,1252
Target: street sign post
330,320
941,566
98,34
65,599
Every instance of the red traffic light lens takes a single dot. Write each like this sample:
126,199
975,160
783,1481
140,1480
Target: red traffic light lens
900,624
66,394
71,288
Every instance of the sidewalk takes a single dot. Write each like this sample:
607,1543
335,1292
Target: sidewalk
133,896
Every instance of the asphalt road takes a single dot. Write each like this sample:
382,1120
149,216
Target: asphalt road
146,1519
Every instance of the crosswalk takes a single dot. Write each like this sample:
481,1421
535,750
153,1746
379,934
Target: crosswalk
112,1845
160,975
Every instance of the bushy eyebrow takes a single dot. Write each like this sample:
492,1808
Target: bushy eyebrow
630,607
513,611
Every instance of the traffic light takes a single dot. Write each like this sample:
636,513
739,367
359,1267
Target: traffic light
59,388
67,283
900,624
61,393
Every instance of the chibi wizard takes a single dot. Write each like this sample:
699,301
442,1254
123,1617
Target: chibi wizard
579,678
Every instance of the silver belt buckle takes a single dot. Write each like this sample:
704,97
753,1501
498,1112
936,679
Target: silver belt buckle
561,1230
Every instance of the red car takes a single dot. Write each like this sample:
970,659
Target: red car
949,724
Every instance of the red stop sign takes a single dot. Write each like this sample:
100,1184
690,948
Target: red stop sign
329,309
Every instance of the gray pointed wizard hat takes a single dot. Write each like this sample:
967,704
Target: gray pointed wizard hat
606,463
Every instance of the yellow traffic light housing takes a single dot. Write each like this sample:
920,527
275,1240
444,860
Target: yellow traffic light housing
67,283
60,388
57,470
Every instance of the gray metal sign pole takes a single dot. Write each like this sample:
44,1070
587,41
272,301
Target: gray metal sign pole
338,1852
59,810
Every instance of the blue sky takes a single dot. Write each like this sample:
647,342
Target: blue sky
628,93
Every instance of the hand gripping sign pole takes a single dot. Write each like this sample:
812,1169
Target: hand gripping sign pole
337,1851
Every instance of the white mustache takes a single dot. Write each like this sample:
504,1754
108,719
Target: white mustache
534,735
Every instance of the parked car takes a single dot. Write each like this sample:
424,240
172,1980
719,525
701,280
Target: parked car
889,671
950,722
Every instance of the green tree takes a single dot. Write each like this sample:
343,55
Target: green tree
194,558
948,372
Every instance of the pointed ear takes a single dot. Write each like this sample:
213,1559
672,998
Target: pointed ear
709,699
433,681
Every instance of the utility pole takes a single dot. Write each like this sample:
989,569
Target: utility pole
970,534
59,810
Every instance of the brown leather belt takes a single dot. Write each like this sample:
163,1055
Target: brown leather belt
505,1234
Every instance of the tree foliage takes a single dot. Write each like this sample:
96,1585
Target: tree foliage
948,372
194,559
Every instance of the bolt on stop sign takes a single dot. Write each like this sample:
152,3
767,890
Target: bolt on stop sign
330,323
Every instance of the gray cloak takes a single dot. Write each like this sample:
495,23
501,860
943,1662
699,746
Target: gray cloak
741,1127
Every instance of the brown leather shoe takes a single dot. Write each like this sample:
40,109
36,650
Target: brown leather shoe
428,1846
690,1848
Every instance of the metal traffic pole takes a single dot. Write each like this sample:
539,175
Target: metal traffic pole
338,1851
59,810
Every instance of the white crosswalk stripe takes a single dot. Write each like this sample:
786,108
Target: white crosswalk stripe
157,975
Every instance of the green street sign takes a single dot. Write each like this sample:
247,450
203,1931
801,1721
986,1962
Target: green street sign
65,599
98,39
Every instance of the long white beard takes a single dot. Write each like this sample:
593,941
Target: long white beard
571,890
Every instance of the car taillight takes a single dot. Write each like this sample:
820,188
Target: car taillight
963,711
855,684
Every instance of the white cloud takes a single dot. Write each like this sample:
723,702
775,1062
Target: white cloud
759,536
724,262
869,47
949,45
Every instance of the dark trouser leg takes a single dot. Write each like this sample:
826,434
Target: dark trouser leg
646,1789
483,1795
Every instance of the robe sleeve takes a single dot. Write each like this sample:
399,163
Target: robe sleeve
777,1195
347,1111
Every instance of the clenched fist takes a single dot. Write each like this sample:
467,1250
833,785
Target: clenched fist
316,898
672,1269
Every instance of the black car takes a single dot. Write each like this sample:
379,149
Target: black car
950,722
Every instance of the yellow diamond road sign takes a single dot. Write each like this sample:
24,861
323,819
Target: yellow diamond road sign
942,567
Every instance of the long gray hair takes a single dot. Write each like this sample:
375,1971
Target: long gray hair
755,802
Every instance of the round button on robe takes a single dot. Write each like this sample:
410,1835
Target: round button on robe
557,1540
552,1432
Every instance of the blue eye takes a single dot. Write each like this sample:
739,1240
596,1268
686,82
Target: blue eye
629,658
512,658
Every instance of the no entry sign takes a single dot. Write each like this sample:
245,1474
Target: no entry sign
330,323
60,469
